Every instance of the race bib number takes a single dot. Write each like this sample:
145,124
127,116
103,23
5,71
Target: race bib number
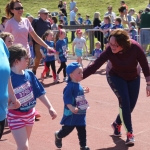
82,102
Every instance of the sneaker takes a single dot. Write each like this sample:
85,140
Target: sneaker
130,139
37,114
58,142
85,148
57,76
116,129
56,81
48,75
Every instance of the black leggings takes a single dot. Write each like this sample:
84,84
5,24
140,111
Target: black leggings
62,66
2,125
68,129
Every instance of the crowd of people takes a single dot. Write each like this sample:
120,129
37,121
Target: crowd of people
41,38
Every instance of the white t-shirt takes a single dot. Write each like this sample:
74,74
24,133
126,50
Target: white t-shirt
79,43
72,15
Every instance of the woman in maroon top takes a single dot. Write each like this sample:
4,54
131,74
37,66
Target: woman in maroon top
123,76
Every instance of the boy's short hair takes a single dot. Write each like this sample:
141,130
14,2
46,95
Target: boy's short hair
118,19
3,35
70,68
78,14
122,9
87,15
108,18
98,42
54,19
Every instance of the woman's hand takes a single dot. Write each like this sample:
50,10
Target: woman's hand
148,90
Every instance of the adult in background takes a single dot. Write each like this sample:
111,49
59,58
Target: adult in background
97,25
145,33
72,5
130,15
40,26
73,21
3,22
111,14
123,15
20,27
62,7
123,76
5,86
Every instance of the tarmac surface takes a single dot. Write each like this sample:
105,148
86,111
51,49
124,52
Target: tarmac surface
102,112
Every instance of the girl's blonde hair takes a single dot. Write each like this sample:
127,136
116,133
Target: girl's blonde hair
46,34
97,15
3,35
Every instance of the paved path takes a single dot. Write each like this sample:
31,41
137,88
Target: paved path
103,110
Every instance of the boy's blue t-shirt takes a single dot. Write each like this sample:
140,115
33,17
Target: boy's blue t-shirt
71,94
117,26
4,78
133,34
88,22
106,26
26,88
80,20
50,56
96,52
61,47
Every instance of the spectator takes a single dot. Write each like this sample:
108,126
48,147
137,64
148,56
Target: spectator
124,4
138,19
3,22
97,25
62,8
123,15
144,33
80,19
73,21
72,5
40,25
87,20
111,14
130,14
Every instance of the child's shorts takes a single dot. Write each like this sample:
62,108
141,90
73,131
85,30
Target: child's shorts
17,119
78,52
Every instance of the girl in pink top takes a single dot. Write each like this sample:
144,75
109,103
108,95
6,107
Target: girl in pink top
20,27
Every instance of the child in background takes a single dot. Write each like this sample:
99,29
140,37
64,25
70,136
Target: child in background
87,20
117,24
80,19
3,22
27,89
132,30
61,54
97,51
77,46
75,106
8,38
105,29
49,57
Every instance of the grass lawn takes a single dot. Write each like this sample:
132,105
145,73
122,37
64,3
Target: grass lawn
84,6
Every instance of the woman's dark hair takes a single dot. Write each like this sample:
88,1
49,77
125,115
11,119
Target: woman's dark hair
46,34
9,7
122,38
3,19
54,19
122,9
16,51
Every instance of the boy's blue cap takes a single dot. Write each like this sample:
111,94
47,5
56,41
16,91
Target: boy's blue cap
70,68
